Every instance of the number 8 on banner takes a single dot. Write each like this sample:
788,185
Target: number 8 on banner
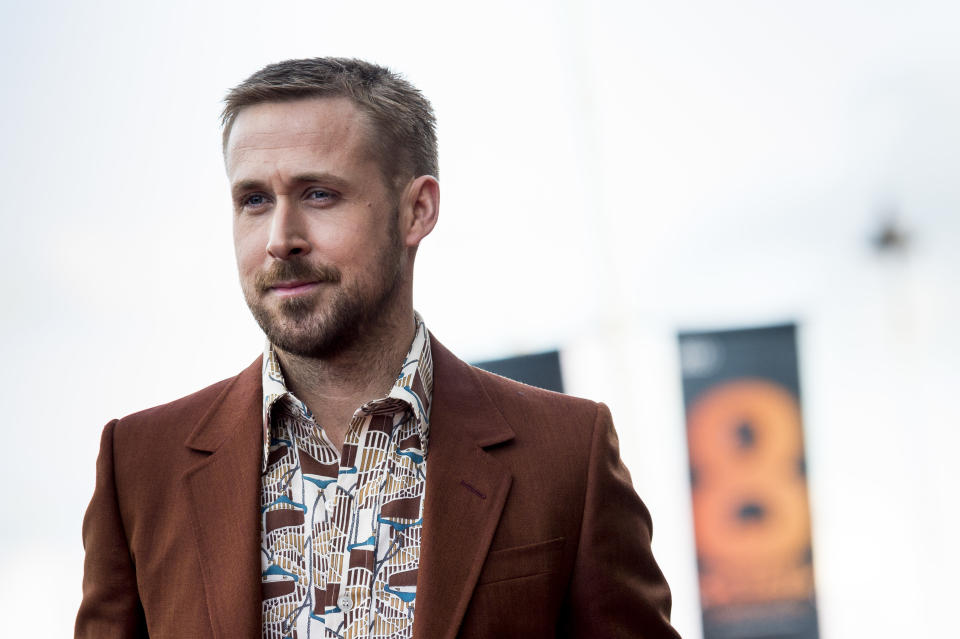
751,512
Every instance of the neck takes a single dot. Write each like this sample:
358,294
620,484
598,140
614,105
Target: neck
334,387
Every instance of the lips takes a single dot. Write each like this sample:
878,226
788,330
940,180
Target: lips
293,288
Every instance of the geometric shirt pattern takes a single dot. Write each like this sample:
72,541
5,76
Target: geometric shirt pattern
340,529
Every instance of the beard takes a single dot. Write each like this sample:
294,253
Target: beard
301,327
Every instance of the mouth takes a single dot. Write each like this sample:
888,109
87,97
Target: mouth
293,288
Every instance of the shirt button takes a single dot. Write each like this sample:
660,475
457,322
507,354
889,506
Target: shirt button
345,602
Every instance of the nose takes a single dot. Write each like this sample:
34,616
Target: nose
288,233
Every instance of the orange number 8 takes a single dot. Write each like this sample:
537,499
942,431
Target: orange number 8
751,513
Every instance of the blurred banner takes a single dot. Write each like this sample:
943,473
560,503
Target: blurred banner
741,393
538,369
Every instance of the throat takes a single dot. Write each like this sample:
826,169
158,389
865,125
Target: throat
334,388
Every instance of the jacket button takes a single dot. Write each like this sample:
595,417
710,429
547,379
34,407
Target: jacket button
345,602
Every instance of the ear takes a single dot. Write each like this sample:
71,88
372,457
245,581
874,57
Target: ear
419,208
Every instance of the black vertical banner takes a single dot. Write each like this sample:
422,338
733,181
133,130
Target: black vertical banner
741,392
537,369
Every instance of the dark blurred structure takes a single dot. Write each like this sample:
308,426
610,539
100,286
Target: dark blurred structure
538,369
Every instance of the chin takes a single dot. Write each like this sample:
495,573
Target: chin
305,334
312,345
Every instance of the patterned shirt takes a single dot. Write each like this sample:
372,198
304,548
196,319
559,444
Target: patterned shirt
340,532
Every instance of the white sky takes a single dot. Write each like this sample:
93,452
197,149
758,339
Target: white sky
610,172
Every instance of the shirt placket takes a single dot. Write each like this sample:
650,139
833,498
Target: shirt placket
352,599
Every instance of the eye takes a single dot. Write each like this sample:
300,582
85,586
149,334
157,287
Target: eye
321,196
253,201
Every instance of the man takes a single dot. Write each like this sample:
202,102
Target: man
358,480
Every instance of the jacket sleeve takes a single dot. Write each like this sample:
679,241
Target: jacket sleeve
617,589
111,605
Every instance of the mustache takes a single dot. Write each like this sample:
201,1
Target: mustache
295,270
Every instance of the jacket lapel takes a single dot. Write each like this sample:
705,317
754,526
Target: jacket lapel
465,494
223,490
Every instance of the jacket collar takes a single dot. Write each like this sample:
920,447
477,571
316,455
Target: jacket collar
229,411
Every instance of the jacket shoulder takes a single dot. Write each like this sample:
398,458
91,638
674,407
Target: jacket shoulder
194,404
176,419
521,404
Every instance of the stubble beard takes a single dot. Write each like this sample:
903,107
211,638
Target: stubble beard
300,327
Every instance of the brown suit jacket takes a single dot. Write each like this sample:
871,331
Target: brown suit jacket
531,525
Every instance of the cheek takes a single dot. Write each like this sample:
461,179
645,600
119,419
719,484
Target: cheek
342,243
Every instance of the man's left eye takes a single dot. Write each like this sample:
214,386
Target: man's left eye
319,195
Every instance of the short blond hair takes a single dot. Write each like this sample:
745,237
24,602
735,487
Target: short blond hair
404,138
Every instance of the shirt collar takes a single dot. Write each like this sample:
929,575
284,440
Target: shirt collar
412,389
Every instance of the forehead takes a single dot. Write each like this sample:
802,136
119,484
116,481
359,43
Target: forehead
310,129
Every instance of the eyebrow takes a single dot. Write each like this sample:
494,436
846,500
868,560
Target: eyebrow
301,178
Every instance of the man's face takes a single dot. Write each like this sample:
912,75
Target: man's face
315,227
